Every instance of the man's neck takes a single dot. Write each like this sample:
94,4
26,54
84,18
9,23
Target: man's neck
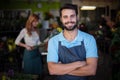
70,35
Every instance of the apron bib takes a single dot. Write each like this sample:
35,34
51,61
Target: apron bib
68,55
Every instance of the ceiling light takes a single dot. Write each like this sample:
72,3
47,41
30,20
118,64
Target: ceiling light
88,8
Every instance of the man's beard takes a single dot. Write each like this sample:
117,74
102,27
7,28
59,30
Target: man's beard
69,29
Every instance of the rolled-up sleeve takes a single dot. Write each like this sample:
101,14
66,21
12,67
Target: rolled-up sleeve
91,48
52,55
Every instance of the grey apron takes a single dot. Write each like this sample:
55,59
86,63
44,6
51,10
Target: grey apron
32,62
68,55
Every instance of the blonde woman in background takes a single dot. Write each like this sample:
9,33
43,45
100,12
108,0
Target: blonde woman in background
32,62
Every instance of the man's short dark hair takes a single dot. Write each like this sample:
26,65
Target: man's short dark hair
69,6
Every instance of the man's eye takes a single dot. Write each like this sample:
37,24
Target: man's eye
65,17
72,16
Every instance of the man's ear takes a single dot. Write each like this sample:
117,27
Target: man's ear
78,18
60,19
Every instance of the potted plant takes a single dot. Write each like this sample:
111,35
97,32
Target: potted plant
115,49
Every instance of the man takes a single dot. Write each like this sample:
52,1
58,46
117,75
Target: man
72,54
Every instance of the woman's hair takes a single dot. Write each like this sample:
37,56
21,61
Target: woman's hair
31,18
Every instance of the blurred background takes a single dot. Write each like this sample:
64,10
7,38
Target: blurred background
101,18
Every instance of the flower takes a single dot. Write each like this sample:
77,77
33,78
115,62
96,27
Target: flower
48,16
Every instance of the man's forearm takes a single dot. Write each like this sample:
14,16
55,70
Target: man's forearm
61,69
87,70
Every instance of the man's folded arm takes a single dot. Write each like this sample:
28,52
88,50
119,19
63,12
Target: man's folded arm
87,70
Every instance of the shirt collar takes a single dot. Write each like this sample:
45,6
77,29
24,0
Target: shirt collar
78,37
61,37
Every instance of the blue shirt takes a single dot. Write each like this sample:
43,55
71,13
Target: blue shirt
89,42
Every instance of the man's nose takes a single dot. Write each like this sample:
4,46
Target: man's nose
69,19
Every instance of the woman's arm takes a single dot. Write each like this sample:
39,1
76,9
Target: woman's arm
19,38
25,46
